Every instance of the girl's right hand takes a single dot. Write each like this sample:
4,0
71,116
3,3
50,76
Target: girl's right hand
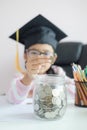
33,65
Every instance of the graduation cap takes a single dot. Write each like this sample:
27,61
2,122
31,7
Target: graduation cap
38,30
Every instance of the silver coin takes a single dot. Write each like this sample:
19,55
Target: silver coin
55,92
54,100
36,107
52,115
47,115
41,112
58,102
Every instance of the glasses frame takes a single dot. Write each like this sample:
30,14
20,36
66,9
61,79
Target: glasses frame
40,52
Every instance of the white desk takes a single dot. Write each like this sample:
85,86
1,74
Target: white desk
21,117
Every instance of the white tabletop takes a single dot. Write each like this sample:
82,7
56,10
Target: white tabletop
21,116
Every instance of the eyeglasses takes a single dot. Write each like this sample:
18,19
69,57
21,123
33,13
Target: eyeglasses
33,52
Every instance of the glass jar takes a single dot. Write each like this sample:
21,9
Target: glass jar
49,98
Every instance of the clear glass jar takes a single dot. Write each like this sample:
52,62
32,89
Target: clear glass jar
49,98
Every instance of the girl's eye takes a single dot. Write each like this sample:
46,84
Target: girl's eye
33,52
48,54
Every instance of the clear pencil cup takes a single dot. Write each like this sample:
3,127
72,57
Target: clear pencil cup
49,97
81,94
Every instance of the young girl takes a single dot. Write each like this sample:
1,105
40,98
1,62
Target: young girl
40,38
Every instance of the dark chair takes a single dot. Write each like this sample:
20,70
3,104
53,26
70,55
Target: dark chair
69,52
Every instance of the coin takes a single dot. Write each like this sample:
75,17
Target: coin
52,114
36,107
47,115
55,92
41,112
57,111
54,100
58,102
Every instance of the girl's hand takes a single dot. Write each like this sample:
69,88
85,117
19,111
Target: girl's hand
37,65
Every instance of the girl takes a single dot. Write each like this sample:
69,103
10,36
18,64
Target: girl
40,38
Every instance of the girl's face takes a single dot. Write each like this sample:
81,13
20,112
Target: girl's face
40,57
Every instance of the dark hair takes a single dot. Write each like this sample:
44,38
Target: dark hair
43,43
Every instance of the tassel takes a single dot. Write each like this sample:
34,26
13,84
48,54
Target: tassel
17,64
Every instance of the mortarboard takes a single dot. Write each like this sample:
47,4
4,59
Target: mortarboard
38,30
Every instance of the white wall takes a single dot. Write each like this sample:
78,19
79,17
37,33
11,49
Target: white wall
69,15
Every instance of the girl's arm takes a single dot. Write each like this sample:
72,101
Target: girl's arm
18,91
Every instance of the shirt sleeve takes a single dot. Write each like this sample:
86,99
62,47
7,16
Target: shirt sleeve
18,92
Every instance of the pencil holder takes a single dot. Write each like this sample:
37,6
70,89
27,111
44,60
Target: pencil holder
81,94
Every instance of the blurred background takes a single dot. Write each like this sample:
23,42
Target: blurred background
68,15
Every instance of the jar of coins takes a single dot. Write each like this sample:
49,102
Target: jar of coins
49,98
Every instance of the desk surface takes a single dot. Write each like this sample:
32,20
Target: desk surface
21,116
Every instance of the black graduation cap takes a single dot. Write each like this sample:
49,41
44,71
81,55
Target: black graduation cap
39,30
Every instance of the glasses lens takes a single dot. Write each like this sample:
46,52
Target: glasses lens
48,53
33,53
36,53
